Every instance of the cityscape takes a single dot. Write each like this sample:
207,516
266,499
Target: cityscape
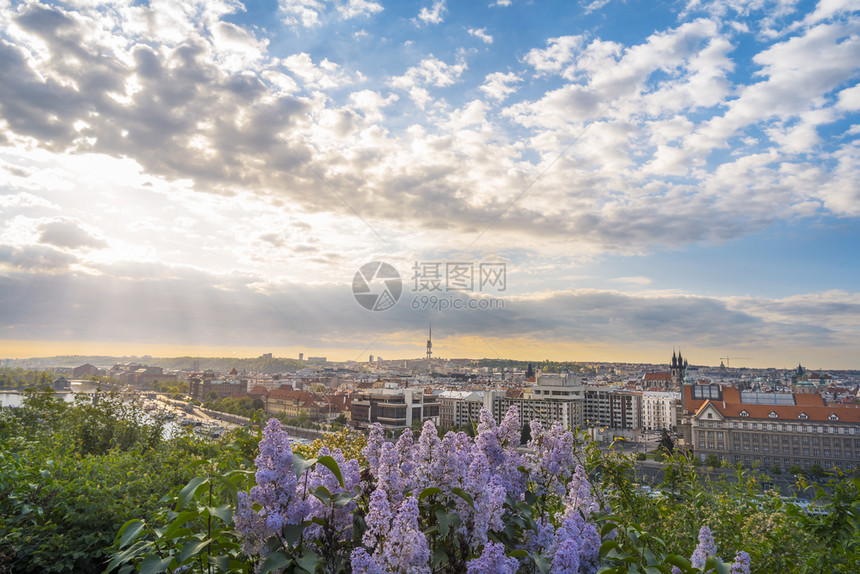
767,418
429,287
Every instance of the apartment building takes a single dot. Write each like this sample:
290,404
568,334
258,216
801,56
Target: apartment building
659,410
772,429
458,408
392,408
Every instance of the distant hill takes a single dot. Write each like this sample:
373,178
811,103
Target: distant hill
222,364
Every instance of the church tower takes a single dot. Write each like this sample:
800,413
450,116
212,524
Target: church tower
679,371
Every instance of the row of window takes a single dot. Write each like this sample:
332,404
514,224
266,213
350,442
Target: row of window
785,427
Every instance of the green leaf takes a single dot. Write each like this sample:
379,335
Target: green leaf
229,486
444,521
322,494
342,499
607,546
173,528
464,495
190,490
130,531
274,561
542,563
429,491
192,549
155,565
439,556
308,561
300,465
331,464
224,512
221,562
292,533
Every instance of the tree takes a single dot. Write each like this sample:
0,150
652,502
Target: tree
666,444
530,371
525,433
712,460
775,470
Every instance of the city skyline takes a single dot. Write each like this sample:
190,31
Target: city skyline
210,178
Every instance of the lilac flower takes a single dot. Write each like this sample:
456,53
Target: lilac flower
552,458
579,496
389,477
378,518
374,444
250,525
488,439
704,549
509,430
426,457
405,548
587,537
405,449
276,485
741,565
566,558
363,563
494,560
541,538
340,518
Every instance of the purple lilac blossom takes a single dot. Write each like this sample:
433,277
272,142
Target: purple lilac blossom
405,548
587,537
566,558
363,563
374,443
276,486
389,476
552,457
405,448
378,518
340,518
579,496
741,565
251,526
492,560
704,549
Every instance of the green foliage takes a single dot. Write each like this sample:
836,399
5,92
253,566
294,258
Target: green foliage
196,533
18,378
72,473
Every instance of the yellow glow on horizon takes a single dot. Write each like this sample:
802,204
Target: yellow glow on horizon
410,345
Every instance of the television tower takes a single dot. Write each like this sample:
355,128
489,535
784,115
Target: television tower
430,345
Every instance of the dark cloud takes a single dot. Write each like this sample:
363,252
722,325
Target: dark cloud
35,258
68,233
156,303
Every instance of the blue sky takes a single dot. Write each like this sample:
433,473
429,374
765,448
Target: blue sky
207,177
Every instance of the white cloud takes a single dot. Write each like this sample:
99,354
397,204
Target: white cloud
498,85
431,71
304,12
434,13
359,8
481,34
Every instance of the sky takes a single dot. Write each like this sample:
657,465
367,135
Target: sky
605,180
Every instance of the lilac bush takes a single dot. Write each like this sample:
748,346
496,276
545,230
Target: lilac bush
431,504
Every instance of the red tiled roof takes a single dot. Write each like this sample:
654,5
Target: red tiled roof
812,405
658,377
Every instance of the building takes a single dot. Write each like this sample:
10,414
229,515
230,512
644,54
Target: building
458,408
772,429
202,389
618,410
552,398
292,403
392,408
86,370
659,410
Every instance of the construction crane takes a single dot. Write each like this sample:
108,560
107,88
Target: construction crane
726,359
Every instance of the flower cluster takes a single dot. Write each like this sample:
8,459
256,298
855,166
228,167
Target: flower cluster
473,505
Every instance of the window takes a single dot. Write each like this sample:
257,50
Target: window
833,417
744,413
803,416
773,415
